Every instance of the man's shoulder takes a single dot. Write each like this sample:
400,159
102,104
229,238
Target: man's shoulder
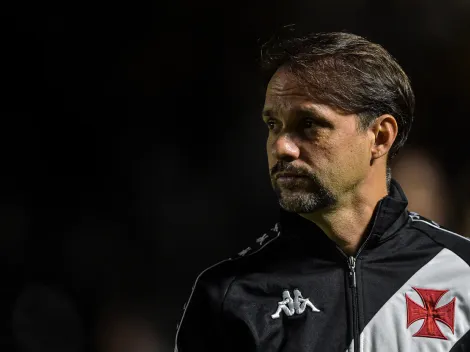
223,272
435,230
212,284
453,241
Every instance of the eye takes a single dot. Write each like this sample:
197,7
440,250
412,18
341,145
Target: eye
308,123
271,123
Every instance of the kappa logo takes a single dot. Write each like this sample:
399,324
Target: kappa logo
417,217
262,239
290,306
276,227
244,252
430,313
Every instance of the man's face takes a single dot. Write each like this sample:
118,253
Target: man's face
316,155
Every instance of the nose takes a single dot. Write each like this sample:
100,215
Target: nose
285,148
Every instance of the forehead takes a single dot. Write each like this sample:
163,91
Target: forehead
284,92
286,97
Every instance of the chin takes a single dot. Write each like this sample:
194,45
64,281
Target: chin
299,204
302,201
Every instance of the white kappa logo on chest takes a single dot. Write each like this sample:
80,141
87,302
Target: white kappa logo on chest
290,306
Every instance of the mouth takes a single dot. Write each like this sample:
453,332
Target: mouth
288,175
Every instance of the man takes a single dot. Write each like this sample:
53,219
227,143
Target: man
378,277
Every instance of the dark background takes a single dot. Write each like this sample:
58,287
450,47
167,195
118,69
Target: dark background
133,150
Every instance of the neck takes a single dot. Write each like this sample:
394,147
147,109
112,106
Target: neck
346,223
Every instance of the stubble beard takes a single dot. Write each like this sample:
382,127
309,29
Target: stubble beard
296,199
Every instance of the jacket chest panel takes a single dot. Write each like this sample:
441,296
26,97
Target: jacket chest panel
292,309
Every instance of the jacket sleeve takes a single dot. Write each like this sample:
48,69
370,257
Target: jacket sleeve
201,326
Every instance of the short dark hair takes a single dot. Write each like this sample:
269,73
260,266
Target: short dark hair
348,73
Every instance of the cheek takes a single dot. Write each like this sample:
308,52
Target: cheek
323,151
357,156
343,158
269,153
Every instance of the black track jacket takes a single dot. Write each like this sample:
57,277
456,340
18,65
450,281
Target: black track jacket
294,290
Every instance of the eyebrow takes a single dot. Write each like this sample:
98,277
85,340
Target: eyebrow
311,112
266,113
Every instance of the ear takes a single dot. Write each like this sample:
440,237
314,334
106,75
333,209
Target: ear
384,130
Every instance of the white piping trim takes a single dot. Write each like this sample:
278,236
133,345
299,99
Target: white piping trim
438,227
209,268
191,295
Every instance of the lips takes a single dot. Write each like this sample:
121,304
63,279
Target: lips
289,175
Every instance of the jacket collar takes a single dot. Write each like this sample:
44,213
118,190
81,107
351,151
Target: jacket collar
390,215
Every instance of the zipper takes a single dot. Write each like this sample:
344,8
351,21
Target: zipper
355,301
351,260
352,272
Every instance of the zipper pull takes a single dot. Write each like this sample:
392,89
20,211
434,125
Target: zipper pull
352,271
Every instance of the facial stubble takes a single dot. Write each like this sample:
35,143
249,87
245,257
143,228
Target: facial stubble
304,196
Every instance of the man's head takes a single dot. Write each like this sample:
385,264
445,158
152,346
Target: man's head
338,109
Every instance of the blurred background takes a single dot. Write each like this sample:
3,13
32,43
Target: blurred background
133,151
